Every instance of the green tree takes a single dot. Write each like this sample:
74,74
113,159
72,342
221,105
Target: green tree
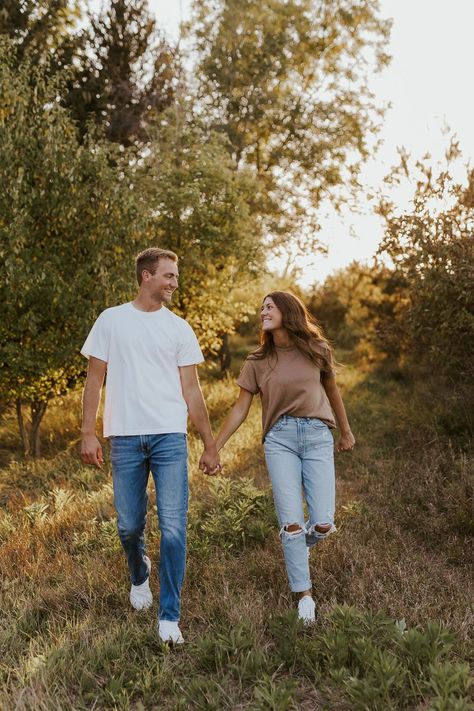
121,69
432,249
126,72
287,82
43,29
200,209
68,224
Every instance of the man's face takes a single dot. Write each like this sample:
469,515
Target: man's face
161,285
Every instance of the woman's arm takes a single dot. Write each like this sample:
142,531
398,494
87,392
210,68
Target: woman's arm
235,417
346,440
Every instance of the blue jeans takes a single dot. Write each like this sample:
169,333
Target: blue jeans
299,453
166,456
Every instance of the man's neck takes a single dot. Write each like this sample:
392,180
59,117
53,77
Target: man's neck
143,302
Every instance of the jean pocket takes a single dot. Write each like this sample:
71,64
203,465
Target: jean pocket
318,424
279,424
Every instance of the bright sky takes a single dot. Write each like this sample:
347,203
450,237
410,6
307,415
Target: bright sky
427,84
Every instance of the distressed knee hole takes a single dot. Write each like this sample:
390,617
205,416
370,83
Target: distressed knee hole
322,527
293,528
318,531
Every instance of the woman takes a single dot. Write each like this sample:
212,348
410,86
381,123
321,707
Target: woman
293,372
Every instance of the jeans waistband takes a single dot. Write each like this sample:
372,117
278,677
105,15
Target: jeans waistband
291,418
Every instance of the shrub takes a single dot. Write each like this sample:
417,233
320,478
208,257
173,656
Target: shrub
236,515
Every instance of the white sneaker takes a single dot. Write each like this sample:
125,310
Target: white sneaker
307,610
169,632
140,595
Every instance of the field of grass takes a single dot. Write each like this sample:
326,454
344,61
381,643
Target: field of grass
394,587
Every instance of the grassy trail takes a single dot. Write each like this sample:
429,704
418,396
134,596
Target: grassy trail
393,587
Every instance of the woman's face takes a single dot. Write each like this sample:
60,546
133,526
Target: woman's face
270,315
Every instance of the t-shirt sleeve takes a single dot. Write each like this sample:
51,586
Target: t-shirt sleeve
248,377
97,343
189,351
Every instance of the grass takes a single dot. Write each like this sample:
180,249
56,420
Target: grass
393,587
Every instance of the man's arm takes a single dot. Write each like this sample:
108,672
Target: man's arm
91,449
197,409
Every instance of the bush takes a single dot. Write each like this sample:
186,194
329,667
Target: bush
432,249
236,515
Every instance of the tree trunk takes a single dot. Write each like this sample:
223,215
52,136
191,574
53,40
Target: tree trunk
25,440
38,408
224,354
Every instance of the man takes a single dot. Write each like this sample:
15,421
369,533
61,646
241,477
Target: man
150,356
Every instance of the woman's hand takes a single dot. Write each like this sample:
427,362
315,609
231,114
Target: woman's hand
346,442
210,462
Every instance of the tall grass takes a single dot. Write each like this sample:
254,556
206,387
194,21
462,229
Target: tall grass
393,587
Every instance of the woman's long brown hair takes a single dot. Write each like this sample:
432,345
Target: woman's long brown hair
304,332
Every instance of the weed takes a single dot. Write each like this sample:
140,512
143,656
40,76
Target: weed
237,515
203,694
273,695
217,651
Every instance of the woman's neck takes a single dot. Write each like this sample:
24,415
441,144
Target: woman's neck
281,338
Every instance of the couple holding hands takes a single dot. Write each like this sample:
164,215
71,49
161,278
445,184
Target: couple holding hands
150,355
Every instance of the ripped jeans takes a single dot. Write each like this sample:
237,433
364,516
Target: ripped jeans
299,453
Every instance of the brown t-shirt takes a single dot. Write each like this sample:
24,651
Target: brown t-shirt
291,385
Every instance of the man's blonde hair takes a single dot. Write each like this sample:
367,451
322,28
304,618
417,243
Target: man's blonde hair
149,258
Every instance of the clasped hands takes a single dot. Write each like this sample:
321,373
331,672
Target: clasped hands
210,462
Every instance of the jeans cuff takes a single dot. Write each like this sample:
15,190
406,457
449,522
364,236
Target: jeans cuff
301,587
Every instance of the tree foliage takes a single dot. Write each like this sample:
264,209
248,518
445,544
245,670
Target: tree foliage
432,249
125,72
68,224
354,305
199,207
287,84
41,29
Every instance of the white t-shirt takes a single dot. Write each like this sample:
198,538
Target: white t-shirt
143,351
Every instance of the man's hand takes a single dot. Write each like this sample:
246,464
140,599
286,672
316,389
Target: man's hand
346,442
91,450
192,393
210,461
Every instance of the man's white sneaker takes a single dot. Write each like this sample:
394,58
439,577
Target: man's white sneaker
307,610
169,632
140,595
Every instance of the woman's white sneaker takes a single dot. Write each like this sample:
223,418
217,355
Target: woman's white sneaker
169,632
307,610
140,595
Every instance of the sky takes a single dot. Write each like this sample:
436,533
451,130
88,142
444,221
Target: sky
427,85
